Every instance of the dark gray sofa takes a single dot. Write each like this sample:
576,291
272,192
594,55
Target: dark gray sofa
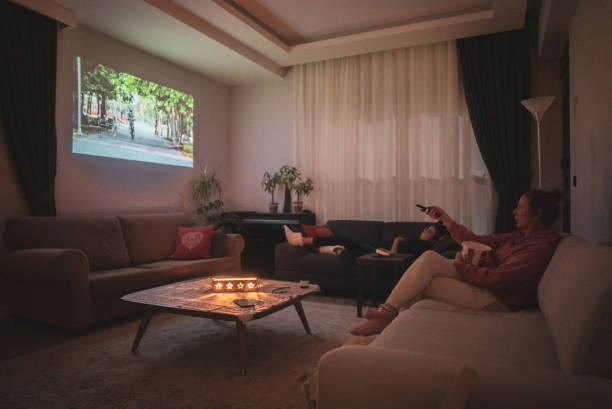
294,263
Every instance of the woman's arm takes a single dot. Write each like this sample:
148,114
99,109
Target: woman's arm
460,233
395,244
528,261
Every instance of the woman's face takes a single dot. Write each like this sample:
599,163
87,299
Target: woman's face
428,233
523,216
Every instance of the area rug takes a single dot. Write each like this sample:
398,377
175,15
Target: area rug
182,362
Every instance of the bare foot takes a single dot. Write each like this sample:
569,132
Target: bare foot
293,238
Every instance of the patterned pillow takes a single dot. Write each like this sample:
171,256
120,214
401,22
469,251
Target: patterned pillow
317,231
193,242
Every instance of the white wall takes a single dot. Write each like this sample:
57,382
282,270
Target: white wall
261,139
591,119
87,184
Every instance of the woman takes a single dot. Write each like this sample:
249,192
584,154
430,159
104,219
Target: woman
351,249
425,241
510,280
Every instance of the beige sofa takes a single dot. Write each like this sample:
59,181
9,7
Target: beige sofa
72,271
559,356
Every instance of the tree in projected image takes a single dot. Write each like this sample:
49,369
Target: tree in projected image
113,102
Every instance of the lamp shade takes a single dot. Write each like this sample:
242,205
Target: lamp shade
537,105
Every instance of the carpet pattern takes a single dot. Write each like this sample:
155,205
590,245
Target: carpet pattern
182,362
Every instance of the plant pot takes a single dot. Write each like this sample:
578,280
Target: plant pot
272,207
296,207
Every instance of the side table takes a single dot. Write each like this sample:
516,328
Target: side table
373,265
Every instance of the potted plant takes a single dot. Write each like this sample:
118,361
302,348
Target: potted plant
302,189
288,176
207,190
270,183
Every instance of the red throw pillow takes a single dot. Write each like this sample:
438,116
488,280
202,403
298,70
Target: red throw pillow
193,242
317,231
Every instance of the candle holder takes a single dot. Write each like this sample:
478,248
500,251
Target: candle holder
234,284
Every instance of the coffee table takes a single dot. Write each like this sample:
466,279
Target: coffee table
195,298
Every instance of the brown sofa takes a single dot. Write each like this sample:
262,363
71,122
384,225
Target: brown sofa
72,271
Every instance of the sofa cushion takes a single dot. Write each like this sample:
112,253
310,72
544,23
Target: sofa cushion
151,237
126,280
99,237
514,339
575,296
430,304
317,231
286,256
217,246
317,263
193,243
359,230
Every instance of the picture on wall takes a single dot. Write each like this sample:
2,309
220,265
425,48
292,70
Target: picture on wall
120,115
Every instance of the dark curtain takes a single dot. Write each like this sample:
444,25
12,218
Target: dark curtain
28,51
496,77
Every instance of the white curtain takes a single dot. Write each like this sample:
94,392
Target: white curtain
380,132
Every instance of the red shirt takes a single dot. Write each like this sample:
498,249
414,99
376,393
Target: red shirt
517,263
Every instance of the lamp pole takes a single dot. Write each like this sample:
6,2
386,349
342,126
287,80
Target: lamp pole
537,106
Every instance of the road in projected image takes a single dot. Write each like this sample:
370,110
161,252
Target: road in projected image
145,147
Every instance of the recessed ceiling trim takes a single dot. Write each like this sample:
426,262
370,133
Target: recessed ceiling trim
187,17
415,25
249,19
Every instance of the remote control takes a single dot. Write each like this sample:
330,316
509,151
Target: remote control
244,302
423,208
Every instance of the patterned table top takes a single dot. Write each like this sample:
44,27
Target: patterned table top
197,295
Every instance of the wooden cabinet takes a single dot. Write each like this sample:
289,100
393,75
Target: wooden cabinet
262,232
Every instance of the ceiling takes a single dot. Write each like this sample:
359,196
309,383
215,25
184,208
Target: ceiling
246,41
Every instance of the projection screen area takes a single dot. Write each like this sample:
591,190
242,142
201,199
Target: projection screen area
120,115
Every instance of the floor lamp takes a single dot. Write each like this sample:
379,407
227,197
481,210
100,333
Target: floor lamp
537,106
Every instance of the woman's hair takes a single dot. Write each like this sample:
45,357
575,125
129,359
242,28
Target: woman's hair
545,203
441,231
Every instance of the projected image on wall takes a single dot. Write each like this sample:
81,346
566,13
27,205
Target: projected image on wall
119,115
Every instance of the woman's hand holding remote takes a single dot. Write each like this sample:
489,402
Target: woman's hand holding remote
437,213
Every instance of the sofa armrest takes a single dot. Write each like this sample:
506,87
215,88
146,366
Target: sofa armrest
286,256
234,245
358,376
57,265
48,285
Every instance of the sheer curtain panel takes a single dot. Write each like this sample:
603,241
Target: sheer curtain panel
380,132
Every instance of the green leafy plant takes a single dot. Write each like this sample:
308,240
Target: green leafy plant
270,183
288,176
208,191
303,188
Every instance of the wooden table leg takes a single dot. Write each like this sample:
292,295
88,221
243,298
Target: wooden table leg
300,311
144,322
242,351
360,285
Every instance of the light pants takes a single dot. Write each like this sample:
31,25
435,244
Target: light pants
435,276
